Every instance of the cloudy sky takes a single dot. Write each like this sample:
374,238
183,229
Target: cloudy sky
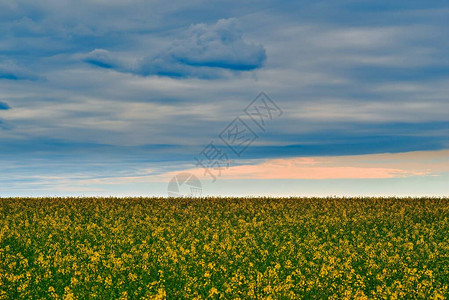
117,97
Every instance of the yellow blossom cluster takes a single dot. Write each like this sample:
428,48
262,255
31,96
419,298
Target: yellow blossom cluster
224,248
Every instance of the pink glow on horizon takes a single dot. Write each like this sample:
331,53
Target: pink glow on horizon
339,167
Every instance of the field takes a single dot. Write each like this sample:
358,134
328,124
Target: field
228,248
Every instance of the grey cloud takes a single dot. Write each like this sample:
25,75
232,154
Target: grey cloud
12,71
205,51
103,58
220,45
3,106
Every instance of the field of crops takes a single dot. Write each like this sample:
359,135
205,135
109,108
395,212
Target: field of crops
225,248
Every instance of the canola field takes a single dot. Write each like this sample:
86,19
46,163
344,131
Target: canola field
224,248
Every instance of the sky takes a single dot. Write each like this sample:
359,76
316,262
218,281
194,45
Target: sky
253,98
